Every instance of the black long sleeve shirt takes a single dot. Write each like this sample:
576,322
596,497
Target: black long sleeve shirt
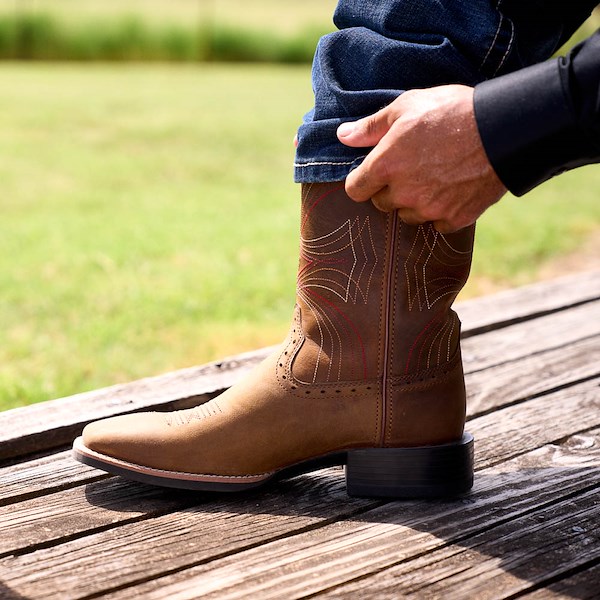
544,119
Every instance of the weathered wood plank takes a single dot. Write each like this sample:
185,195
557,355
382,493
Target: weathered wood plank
504,384
58,422
583,586
315,561
523,303
47,520
197,533
525,339
44,476
525,426
59,517
496,564
36,522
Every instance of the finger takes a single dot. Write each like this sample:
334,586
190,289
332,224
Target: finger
364,182
410,217
368,131
381,201
444,227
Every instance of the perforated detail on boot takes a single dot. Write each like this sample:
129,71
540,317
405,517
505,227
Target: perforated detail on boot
428,375
286,376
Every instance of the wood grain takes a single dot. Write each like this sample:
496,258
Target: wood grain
516,342
43,476
531,376
527,302
354,549
500,562
583,585
509,431
227,525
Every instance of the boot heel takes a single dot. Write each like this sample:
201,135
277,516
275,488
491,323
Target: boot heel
422,472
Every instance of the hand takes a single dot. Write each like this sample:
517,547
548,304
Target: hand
428,161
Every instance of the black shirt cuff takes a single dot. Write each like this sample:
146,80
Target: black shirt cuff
529,127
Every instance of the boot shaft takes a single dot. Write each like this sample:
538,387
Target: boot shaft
374,293
428,271
340,286
374,300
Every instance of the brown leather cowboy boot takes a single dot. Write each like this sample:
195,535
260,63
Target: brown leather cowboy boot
369,375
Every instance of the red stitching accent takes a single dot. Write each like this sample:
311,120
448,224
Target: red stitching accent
434,320
352,326
318,201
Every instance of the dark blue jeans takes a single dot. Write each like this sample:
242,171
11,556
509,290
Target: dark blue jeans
384,48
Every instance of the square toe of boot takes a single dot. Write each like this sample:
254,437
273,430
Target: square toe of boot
131,438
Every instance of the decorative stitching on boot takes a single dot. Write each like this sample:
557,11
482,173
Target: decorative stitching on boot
198,413
396,274
422,292
346,283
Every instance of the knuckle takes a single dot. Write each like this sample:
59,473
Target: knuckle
369,126
382,168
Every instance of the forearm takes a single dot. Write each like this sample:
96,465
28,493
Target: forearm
542,120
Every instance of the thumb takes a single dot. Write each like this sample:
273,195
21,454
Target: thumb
368,131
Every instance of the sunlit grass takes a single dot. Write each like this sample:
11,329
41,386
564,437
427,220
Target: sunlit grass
160,30
288,16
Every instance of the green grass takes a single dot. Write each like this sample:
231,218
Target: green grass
287,16
157,30
149,221
518,237
43,37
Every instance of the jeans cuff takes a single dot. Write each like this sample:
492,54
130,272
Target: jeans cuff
322,171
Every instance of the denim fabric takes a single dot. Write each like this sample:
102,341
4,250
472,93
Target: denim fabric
384,48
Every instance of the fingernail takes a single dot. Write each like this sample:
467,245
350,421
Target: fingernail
345,129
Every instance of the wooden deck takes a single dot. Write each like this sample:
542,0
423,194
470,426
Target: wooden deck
530,528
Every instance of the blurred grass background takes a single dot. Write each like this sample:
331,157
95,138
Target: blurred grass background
149,221
163,30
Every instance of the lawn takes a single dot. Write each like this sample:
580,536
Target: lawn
285,15
149,221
